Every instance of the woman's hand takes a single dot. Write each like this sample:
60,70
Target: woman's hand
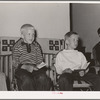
67,70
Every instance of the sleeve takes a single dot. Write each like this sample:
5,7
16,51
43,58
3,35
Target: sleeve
83,61
39,55
94,53
58,64
15,57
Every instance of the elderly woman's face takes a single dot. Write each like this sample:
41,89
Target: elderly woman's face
28,35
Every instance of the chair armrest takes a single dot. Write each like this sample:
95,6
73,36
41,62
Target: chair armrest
53,68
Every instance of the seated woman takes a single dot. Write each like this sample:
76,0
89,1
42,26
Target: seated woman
96,54
96,51
27,56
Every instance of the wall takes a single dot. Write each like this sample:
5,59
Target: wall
86,21
50,19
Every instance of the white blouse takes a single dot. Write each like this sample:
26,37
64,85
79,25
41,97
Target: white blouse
72,59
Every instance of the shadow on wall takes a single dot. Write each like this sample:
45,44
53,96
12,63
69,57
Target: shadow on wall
80,47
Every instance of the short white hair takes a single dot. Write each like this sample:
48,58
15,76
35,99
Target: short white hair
26,26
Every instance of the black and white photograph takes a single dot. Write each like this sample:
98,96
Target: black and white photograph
50,48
